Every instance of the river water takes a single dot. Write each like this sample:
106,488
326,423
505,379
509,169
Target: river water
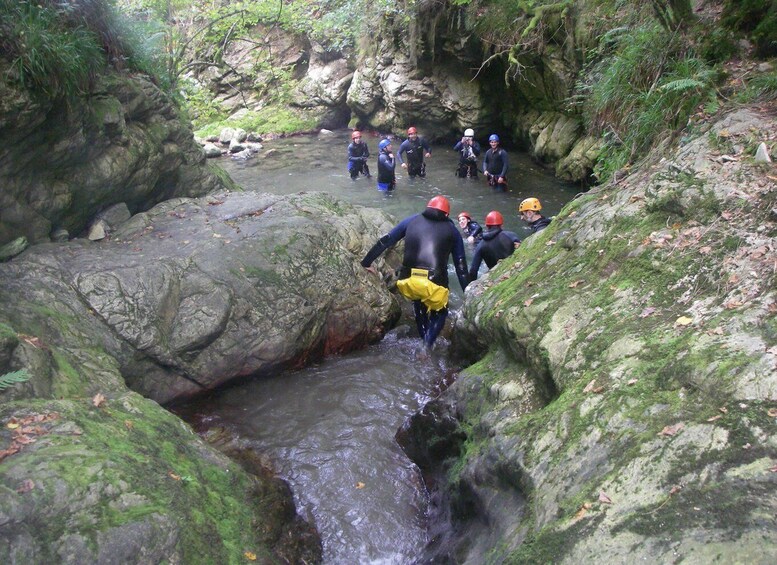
329,429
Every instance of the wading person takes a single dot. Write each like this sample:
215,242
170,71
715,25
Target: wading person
430,238
495,164
529,210
469,150
472,230
358,153
387,179
495,245
415,149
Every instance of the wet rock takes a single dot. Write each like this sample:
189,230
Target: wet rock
13,248
194,293
211,150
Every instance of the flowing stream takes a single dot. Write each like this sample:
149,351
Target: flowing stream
329,429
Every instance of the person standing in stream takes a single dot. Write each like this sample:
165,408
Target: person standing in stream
415,149
430,239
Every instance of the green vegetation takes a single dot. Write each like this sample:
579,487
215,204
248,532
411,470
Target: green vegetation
9,379
650,83
55,49
272,119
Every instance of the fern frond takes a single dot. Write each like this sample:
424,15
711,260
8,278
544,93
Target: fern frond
10,379
682,85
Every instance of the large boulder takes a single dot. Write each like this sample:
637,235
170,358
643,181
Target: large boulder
115,478
623,404
61,163
197,292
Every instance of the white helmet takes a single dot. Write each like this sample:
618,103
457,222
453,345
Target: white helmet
469,132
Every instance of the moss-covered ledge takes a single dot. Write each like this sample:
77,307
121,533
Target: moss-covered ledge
626,406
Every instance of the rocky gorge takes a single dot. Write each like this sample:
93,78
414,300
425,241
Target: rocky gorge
620,395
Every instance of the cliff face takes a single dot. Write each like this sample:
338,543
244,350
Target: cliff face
61,163
626,405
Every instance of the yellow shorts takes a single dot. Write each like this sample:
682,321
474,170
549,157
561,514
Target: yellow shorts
418,287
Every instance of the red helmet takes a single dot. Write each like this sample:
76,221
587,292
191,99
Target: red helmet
494,218
440,203
465,214
356,134
411,131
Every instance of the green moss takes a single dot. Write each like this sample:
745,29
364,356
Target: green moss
271,119
7,332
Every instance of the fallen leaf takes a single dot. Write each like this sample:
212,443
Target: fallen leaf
647,312
731,304
773,469
528,302
360,485
129,424
671,430
32,340
603,498
250,556
747,446
683,321
590,386
632,382
576,283
675,489
26,486
98,400
598,390
582,512
12,425
704,250
726,215
772,412
723,409
714,418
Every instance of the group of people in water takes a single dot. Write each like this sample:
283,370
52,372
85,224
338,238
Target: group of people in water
431,237
415,149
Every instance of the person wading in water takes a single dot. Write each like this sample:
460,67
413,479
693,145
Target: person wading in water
430,238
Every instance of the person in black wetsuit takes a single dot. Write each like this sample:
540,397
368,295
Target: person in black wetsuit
430,238
358,153
415,149
496,245
471,228
495,164
387,179
529,209
469,150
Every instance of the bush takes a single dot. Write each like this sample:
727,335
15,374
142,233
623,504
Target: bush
647,88
46,56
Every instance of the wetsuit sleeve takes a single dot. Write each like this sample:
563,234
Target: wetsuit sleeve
476,148
504,164
350,153
476,259
459,259
402,149
426,146
513,236
485,161
391,238
458,147
477,231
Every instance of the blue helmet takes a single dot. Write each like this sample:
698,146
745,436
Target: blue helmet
493,137
383,144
